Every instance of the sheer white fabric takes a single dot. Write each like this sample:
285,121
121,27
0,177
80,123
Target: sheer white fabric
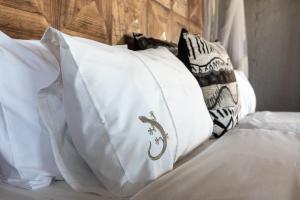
225,21
211,20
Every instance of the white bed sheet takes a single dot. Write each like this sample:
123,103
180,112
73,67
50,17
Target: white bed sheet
283,121
259,159
57,191
245,164
60,190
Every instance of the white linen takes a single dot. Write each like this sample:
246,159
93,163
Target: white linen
244,164
59,190
224,20
246,94
211,20
26,158
233,34
73,168
131,115
283,121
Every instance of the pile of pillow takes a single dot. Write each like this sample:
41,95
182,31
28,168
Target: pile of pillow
110,120
26,158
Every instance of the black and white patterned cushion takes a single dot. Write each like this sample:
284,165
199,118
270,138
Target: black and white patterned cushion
211,66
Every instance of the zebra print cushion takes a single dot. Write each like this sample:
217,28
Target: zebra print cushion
211,66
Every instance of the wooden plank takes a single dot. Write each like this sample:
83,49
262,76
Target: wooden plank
102,20
22,24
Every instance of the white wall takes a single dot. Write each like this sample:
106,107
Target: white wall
273,29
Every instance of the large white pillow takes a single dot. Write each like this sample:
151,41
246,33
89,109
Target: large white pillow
26,158
247,94
131,115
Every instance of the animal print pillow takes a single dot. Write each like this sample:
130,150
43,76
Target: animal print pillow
138,42
211,66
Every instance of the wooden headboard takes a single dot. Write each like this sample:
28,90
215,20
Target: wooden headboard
102,20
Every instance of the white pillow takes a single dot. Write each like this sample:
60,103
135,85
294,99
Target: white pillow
26,158
124,46
247,94
131,115
74,169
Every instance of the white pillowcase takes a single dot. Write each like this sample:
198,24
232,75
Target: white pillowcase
247,94
131,115
26,158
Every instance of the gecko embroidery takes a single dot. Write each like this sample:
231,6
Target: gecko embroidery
154,127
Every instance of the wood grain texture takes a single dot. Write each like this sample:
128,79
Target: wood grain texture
101,20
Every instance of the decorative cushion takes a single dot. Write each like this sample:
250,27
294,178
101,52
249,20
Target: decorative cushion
26,158
211,66
131,115
140,42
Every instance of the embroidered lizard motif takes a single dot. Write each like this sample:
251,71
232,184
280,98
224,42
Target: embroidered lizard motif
154,127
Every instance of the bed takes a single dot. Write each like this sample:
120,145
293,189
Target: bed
60,190
258,159
249,162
